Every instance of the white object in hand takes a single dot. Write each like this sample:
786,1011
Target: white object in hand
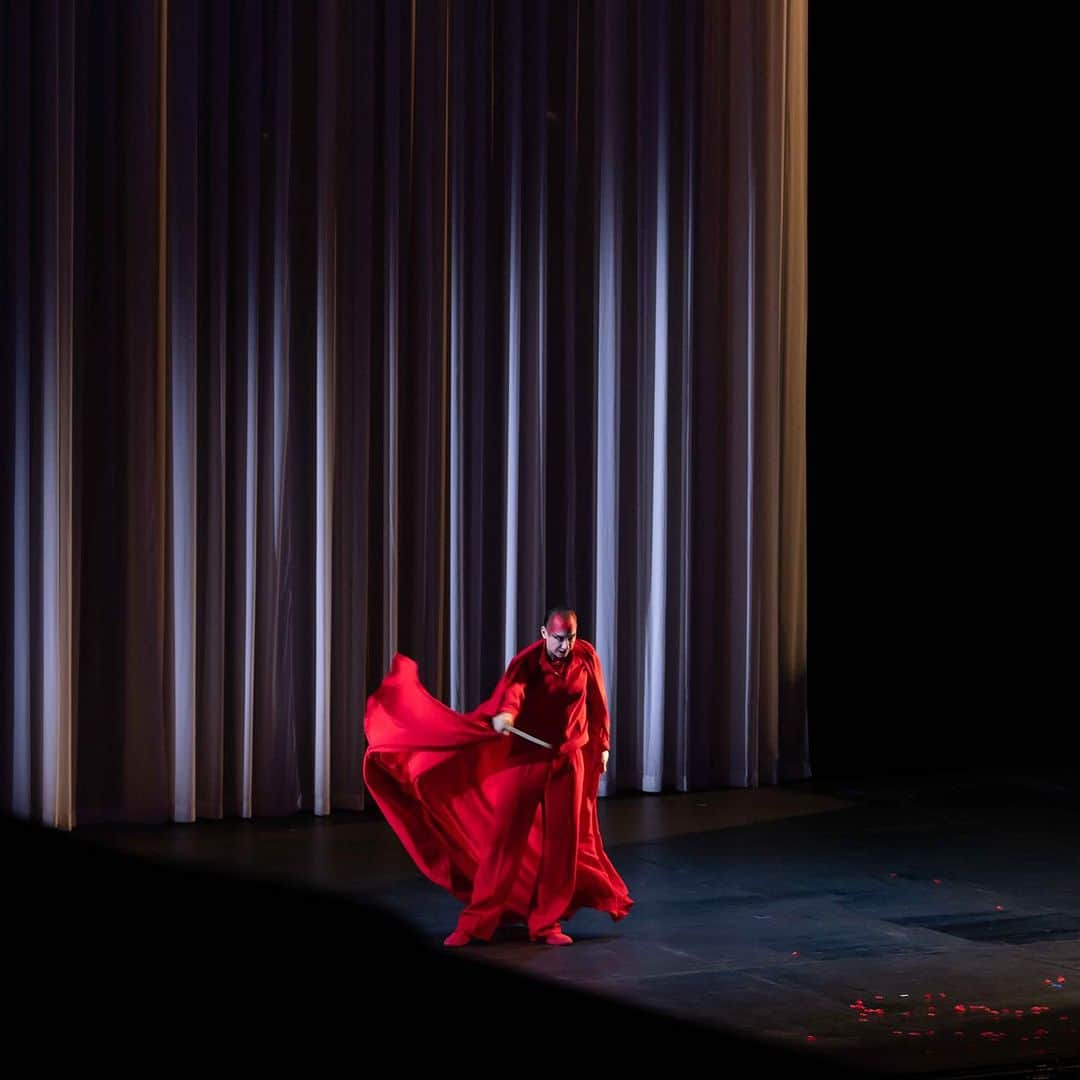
531,738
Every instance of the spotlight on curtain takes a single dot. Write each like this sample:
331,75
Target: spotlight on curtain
334,329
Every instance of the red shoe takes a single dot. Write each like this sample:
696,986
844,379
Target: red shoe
557,937
457,939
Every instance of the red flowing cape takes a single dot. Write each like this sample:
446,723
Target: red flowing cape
428,767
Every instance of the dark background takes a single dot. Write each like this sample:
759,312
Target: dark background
940,485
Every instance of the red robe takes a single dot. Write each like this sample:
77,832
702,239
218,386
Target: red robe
433,772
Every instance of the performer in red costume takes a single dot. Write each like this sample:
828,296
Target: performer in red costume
509,827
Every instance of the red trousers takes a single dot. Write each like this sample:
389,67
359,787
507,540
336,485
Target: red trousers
555,785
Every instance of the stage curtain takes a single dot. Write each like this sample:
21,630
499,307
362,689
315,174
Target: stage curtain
334,329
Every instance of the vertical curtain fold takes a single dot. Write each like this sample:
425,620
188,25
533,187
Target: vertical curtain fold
325,387
181,166
56,192
215,709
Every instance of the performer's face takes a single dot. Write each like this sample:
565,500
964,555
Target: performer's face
559,635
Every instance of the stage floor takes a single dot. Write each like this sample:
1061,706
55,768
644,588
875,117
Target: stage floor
917,924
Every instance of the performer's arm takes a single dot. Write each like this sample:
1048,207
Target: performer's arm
512,698
599,718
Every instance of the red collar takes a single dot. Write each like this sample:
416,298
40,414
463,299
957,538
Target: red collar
545,659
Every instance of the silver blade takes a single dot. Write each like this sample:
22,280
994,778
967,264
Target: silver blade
531,738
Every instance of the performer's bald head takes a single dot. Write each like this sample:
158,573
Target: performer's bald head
559,632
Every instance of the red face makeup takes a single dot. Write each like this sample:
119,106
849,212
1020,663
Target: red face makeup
560,635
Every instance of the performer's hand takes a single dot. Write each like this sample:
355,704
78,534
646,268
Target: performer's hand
502,723
603,761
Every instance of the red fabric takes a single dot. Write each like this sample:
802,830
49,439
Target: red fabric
438,776
563,704
554,786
